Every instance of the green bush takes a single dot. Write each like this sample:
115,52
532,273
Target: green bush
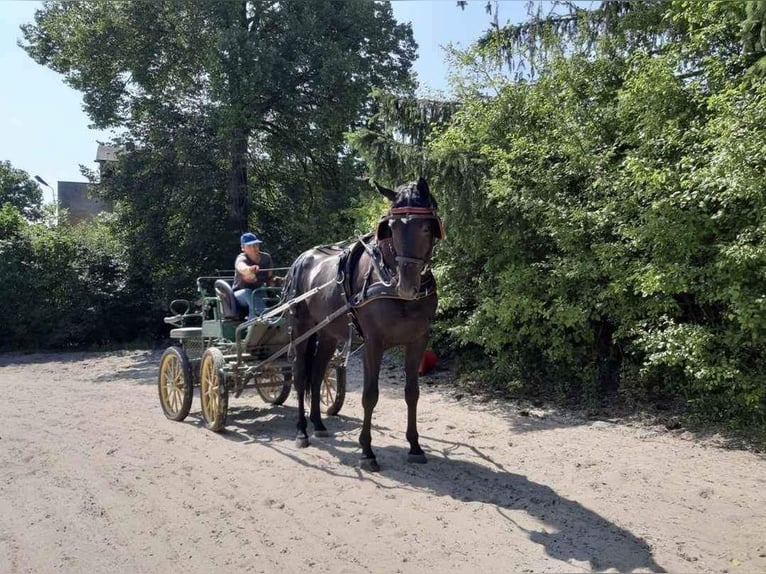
614,245
64,287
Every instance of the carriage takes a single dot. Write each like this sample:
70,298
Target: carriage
221,353
379,285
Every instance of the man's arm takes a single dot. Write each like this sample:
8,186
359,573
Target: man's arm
247,271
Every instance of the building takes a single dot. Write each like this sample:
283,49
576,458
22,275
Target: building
106,157
73,196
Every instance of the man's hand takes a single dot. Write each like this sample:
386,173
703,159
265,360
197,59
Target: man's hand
254,269
278,279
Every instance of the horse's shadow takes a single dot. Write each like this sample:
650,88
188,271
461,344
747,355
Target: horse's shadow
570,531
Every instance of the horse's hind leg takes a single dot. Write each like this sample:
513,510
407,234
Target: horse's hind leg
412,356
324,352
302,370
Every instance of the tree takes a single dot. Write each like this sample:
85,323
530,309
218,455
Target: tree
269,77
20,191
232,115
606,233
754,34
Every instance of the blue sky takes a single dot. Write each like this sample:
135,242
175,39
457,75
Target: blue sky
44,131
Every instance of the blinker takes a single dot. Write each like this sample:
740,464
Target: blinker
404,215
384,230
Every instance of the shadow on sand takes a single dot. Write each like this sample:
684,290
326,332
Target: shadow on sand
464,473
143,370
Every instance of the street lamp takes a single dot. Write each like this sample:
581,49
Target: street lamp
55,198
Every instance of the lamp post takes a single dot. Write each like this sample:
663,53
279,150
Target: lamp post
55,198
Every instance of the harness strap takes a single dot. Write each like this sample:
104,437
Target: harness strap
287,305
385,276
403,259
381,291
295,301
318,327
412,211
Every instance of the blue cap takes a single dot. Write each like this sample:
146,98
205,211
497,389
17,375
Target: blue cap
249,239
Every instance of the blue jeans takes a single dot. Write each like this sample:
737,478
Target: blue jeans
245,296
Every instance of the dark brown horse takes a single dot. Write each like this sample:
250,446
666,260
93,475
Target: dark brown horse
383,283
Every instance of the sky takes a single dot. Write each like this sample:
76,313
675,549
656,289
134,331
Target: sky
44,131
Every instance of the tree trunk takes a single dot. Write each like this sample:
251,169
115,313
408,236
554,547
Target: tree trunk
239,198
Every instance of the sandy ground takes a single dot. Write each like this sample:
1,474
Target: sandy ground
93,478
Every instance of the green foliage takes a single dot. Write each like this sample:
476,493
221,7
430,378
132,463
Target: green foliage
605,220
19,191
231,115
277,84
754,35
63,287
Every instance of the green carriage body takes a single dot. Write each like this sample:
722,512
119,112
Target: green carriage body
223,355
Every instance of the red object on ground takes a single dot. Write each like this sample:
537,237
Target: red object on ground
427,362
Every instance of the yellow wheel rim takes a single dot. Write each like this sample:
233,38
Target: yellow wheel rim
329,387
209,390
172,386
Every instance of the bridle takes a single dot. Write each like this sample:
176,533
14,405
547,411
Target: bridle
405,214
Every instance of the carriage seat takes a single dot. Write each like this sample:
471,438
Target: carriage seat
229,306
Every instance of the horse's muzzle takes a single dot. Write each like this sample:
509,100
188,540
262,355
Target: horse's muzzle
408,283
408,293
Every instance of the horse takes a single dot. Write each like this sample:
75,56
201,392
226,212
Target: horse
383,281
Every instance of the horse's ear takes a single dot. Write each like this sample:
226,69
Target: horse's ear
389,194
425,192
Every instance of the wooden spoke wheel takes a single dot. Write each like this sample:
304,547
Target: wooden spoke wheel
175,384
212,389
332,391
273,386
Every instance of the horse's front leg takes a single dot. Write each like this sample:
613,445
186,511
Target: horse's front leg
373,354
412,356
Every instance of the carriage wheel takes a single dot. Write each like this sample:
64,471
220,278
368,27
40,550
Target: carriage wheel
175,384
332,391
212,390
273,386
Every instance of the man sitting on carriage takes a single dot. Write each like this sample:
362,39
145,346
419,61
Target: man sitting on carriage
252,270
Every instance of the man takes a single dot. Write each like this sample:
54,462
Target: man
248,275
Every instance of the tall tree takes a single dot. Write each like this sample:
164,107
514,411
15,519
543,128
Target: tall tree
268,75
231,115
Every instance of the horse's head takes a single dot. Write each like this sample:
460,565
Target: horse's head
412,225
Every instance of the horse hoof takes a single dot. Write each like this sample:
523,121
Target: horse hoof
302,441
417,458
369,464
321,433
